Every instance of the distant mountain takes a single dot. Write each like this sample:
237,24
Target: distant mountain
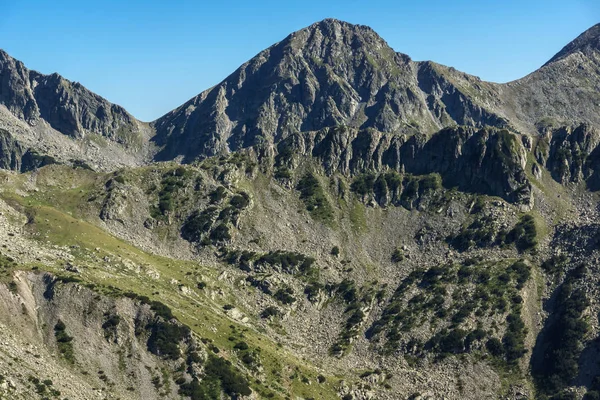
51,105
335,73
331,73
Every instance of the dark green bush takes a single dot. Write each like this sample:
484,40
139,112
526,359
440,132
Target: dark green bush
290,262
514,338
314,198
64,341
363,184
270,312
197,224
398,256
564,337
165,337
220,233
217,195
240,201
285,296
312,290
524,234
494,346
160,309
241,346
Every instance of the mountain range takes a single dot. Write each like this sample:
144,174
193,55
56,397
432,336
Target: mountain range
332,220
329,74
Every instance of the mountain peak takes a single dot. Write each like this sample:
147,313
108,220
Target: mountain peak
332,22
588,41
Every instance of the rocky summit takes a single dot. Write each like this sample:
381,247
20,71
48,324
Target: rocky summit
332,221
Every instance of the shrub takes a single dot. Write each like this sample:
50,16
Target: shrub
220,233
314,198
232,382
564,337
217,195
63,340
363,184
285,296
283,173
398,256
270,312
312,290
453,341
335,251
241,346
514,338
160,309
240,201
197,224
164,339
494,346
290,262
524,234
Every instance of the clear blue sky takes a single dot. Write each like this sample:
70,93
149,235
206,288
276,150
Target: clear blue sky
151,56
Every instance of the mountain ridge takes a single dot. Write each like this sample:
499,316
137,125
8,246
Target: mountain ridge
327,74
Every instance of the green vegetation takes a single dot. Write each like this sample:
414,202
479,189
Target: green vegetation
7,266
555,265
564,337
43,388
290,262
219,374
449,297
198,224
69,228
270,312
483,233
285,295
314,198
171,182
524,234
64,341
398,255
165,337
110,325
395,188
356,299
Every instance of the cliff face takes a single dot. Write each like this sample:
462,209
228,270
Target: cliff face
489,160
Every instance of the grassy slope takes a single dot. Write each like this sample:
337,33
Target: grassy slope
126,268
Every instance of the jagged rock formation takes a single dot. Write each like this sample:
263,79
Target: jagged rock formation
488,160
66,106
51,116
